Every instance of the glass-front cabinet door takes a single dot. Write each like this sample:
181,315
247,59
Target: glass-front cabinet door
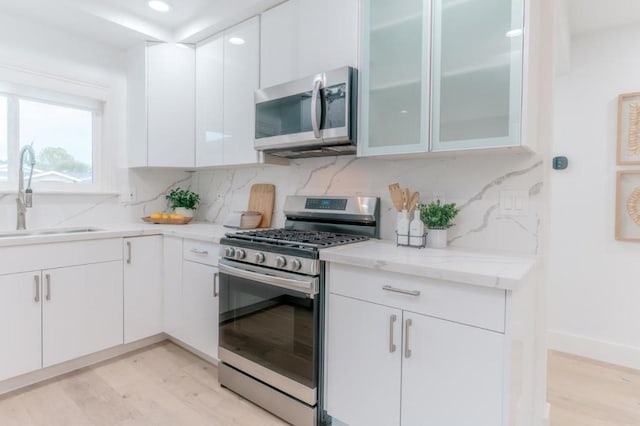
395,57
477,74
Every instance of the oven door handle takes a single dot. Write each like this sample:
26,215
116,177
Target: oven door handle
308,286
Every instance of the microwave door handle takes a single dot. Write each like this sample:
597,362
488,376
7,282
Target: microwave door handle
317,85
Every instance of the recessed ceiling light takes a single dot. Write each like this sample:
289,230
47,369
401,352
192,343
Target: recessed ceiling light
236,40
514,33
159,5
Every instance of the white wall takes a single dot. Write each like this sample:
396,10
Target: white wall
34,54
594,287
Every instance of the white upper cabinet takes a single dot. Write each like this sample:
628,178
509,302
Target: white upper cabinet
477,74
241,79
395,66
209,102
161,92
305,37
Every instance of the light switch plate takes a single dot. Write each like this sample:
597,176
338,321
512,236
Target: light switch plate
514,203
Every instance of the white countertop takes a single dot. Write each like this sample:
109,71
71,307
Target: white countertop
502,271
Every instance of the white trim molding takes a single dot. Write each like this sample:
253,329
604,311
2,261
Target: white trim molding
600,350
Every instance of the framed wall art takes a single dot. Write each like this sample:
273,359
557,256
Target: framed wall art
628,206
628,151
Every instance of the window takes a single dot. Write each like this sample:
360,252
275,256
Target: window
62,132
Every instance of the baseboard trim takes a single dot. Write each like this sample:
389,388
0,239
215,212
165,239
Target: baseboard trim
600,350
16,383
193,350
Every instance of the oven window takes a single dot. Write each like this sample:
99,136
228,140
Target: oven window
271,326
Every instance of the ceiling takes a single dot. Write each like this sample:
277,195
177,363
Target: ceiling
587,16
122,23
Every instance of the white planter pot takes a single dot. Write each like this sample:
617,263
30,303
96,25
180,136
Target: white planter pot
184,212
437,238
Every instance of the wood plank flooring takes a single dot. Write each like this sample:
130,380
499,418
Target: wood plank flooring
165,385
584,392
160,385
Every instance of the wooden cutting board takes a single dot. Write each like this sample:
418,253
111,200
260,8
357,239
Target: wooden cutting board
262,199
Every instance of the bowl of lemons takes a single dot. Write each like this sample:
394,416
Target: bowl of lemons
167,218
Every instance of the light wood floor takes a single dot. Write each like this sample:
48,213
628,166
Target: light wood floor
160,385
165,385
583,392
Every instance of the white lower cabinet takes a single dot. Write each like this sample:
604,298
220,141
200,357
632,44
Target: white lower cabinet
191,293
388,365
142,287
81,311
200,307
20,324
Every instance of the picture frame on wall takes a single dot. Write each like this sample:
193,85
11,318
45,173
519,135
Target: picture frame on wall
628,150
628,205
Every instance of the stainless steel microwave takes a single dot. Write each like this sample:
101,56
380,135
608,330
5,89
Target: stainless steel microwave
310,117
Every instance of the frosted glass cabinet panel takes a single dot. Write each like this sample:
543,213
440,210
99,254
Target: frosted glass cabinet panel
477,74
395,67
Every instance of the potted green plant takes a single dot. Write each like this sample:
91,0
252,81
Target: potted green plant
183,201
437,217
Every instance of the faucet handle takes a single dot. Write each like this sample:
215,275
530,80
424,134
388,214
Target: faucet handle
28,198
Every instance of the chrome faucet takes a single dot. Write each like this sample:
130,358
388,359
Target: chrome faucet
24,199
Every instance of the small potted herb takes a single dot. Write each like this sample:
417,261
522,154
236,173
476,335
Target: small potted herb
437,217
183,201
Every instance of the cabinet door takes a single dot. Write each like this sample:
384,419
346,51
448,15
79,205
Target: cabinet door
170,105
209,102
363,368
279,52
82,311
200,307
173,322
241,79
453,375
142,287
395,62
20,324
328,36
477,74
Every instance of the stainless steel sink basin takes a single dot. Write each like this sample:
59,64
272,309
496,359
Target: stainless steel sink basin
55,231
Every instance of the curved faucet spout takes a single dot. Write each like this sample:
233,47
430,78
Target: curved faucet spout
24,199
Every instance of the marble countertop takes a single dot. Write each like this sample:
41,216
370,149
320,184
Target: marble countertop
495,270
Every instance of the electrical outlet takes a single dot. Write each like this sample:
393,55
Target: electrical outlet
130,196
514,203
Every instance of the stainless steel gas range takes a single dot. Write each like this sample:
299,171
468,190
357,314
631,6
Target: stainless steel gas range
272,303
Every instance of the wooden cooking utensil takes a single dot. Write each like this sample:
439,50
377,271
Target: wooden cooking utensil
396,196
262,199
405,199
413,201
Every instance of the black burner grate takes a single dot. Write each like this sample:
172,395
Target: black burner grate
299,238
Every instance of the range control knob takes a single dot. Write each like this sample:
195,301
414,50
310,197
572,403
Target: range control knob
229,252
281,262
259,257
240,254
296,264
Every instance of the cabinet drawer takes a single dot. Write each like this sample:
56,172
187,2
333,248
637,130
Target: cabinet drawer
201,252
466,304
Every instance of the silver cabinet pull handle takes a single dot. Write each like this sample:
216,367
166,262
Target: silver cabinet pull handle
36,278
216,277
407,351
401,290
48,279
129,252
198,251
392,321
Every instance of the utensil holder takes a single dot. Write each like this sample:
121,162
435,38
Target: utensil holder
423,241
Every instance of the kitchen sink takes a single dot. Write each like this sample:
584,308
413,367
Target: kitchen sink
55,231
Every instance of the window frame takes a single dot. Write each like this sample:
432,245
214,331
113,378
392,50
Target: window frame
14,93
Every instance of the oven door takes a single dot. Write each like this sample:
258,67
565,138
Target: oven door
270,327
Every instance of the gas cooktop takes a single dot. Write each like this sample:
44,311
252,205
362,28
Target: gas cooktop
298,238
